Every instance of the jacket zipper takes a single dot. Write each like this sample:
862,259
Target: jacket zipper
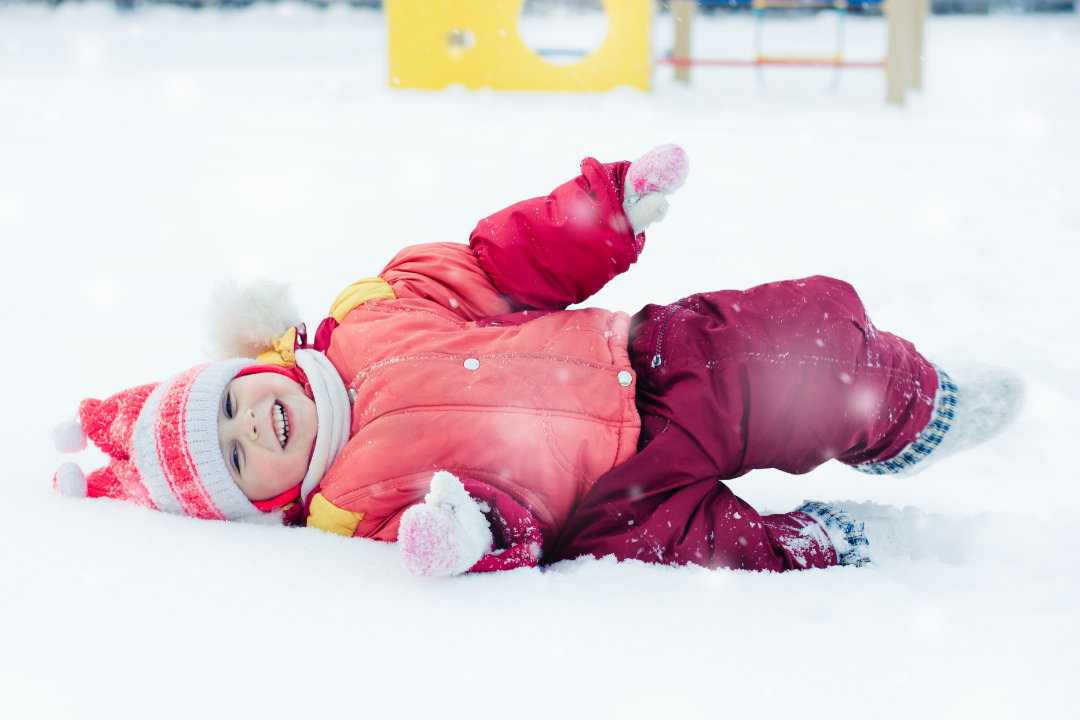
656,359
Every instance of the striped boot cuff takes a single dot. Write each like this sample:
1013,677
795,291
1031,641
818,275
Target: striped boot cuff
928,440
847,535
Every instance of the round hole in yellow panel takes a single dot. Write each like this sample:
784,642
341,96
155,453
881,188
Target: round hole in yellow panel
562,32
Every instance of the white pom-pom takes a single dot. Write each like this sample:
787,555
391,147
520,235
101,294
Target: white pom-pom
70,481
245,318
69,437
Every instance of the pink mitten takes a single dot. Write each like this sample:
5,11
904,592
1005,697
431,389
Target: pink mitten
657,173
447,533
662,169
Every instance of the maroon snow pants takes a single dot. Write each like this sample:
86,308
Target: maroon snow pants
786,375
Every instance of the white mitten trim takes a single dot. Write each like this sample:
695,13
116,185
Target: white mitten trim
474,534
645,210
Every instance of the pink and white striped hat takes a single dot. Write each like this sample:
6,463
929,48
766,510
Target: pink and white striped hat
162,438
163,445
162,442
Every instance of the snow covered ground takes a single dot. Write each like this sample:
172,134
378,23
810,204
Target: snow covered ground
145,156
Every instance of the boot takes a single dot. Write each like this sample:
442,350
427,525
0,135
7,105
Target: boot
968,410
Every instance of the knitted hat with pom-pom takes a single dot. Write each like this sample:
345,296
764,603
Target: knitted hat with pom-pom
162,441
162,438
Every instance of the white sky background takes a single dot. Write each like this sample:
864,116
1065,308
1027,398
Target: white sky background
145,156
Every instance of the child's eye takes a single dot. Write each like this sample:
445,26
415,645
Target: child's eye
228,407
236,459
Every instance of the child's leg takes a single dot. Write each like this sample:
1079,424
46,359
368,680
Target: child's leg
666,505
787,376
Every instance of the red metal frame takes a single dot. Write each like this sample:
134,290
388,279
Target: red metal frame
789,62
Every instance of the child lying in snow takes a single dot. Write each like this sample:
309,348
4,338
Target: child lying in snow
453,404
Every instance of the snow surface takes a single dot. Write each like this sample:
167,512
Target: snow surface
145,156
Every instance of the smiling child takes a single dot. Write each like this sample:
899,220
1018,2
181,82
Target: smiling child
455,405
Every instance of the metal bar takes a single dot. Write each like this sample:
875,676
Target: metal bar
759,37
789,3
770,59
841,13
785,62
762,4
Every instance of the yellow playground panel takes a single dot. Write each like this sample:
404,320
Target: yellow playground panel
435,43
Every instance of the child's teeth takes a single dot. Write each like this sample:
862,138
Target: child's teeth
281,425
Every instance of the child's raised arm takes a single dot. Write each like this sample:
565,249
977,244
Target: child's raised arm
559,249
547,252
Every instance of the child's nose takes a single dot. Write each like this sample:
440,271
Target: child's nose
253,425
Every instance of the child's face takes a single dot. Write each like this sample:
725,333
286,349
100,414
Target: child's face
266,428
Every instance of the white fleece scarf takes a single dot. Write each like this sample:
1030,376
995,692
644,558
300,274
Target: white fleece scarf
334,411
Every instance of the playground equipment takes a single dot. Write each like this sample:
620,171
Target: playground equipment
475,43
435,43
902,65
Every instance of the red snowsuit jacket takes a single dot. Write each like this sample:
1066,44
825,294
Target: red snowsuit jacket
477,368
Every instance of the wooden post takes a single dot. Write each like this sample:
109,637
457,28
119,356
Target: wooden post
921,7
903,66
896,59
683,13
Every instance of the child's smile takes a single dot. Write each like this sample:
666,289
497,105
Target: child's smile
281,423
266,430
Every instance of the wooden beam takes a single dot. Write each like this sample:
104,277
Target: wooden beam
898,61
919,19
683,13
